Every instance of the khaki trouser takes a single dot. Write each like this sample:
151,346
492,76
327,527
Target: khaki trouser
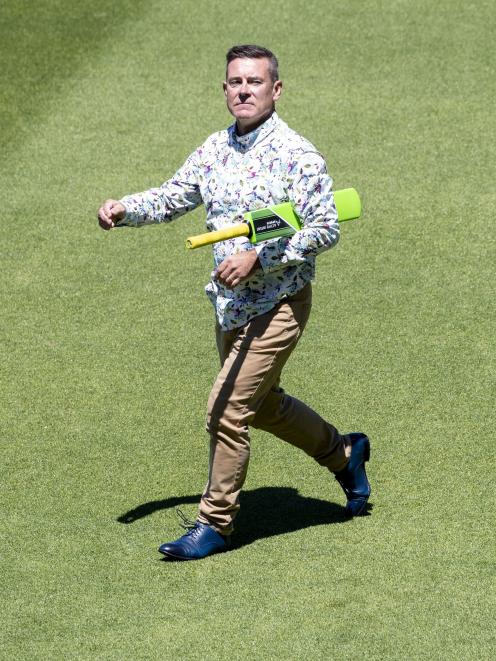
247,393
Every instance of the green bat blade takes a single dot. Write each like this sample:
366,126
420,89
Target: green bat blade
272,222
281,219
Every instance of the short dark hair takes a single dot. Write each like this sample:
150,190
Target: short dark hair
255,52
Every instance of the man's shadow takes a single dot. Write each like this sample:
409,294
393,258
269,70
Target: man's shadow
265,512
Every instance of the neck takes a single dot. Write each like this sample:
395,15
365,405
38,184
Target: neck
242,128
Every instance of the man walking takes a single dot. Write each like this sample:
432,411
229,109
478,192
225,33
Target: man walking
261,294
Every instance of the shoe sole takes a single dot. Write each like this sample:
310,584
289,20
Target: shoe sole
174,557
366,456
359,512
166,554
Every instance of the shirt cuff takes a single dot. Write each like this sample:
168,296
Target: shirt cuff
130,219
271,254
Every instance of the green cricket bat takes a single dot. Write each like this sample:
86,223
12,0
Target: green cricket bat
275,221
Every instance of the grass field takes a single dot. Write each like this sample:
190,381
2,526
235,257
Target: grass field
108,354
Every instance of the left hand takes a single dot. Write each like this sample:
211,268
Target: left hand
237,268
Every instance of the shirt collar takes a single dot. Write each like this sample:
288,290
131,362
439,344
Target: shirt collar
248,140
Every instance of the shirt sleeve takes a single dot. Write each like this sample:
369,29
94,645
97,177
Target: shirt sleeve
172,199
310,191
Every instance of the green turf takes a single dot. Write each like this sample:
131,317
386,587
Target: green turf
108,356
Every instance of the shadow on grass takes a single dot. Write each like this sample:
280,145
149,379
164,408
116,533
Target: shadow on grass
265,512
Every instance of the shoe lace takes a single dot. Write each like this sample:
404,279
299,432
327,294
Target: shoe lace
186,523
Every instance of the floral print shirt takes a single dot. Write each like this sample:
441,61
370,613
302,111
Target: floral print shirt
233,174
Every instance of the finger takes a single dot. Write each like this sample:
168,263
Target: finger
222,267
102,215
104,220
222,271
223,279
108,207
105,224
118,211
232,282
229,277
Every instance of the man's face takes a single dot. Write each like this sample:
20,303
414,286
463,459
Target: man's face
250,92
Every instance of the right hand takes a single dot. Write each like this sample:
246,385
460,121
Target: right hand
109,213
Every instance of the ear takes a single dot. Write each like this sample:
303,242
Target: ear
277,90
224,87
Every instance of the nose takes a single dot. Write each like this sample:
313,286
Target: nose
244,91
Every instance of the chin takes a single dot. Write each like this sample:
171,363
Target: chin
243,114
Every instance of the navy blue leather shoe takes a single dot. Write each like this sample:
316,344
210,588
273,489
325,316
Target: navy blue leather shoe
353,478
201,540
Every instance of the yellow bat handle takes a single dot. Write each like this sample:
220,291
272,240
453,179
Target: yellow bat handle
220,235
